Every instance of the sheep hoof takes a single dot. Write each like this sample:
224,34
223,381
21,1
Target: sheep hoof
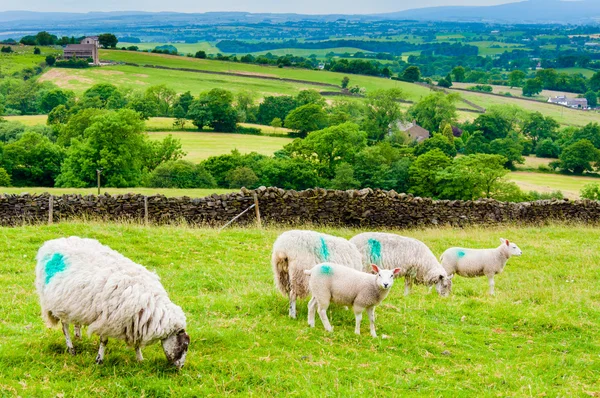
374,335
71,351
99,361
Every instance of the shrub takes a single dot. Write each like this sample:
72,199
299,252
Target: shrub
248,130
181,174
590,191
535,195
4,178
547,149
242,177
484,88
6,49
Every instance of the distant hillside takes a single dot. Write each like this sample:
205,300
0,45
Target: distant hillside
532,11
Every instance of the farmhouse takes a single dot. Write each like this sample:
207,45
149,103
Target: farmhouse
83,51
91,40
575,103
414,131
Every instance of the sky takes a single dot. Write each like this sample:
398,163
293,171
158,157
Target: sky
276,6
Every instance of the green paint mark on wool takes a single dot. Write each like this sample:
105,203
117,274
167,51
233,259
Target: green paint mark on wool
461,254
375,251
53,266
323,250
326,269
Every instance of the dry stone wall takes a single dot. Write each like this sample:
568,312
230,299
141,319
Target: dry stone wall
367,208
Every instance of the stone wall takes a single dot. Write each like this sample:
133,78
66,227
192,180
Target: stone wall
365,208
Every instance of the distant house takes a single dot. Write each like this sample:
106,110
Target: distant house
414,131
321,66
91,40
82,51
575,103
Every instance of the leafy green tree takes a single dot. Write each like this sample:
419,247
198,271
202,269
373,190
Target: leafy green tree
37,51
516,78
424,171
471,177
276,123
306,118
594,82
180,115
578,157
537,127
242,177
476,143
214,108
590,132
145,106
492,125
307,97
115,142
184,101
103,96
533,87
344,178
273,107
53,98
45,39
33,160
345,81
438,141
159,152
592,99
329,147
289,173
445,82
435,110
50,60
163,97
459,74
76,125
448,133
200,113
200,54
4,178
58,115
181,174
510,148
590,191
547,148
382,166
108,40
383,112
412,74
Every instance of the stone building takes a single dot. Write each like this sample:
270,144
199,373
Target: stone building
82,51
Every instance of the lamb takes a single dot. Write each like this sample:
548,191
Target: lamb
416,262
83,282
295,251
478,262
343,285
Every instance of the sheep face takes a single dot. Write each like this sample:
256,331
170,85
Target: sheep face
512,249
175,347
385,277
444,285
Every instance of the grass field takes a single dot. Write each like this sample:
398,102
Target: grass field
486,49
537,337
193,193
184,48
583,71
201,145
569,185
517,91
23,57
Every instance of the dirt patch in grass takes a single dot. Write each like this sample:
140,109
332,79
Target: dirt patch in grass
63,78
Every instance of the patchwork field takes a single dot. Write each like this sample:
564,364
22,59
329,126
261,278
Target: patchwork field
568,185
537,337
23,57
184,48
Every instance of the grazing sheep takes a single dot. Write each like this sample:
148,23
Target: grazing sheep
478,262
295,251
342,285
83,282
413,257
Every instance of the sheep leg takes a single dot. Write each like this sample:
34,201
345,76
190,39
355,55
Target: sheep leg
407,285
100,356
138,354
323,316
312,308
371,314
292,304
358,315
77,331
491,279
65,328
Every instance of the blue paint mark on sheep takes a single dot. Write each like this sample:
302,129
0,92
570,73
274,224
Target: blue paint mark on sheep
461,254
326,269
323,250
53,266
375,251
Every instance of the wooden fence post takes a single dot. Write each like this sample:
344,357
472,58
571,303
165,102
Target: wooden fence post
51,210
146,210
258,222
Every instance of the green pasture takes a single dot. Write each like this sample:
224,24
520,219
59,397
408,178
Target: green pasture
184,48
588,73
537,336
302,52
542,182
23,57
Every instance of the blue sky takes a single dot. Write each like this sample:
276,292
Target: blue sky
303,6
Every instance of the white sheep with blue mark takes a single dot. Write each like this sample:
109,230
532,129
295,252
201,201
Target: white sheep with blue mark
298,250
479,262
83,282
415,260
342,285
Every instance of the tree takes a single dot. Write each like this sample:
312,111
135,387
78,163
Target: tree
164,98
510,148
50,60
345,81
53,98
547,148
382,166
471,177
532,87
459,74
435,111
306,97
383,112
448,133
272,107
445,82
107,40
516,78
590,132
424,171
412,74
306,118
578,157
45,39
242,177
180,115
492,125
476,143
115,142
145,106
590,191
58,115
538,127
329,147
37,51
438,141
276,123
4,178
184,101
103,96
344,178
200,54
594,82
181,174
592,99
214,108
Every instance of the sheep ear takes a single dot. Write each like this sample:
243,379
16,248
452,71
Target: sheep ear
375,268
502,241
397,271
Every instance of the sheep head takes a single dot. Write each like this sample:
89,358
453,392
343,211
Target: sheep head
175,347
